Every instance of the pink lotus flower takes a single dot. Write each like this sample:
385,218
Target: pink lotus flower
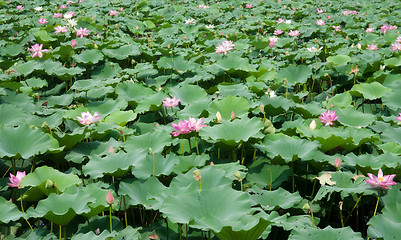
369,30
109,198
399,117
277,32
195,125
372,47
72,13
57,15
336,28
113,13
320,22
20,7
293,33
87,118
224,47
60,29
380,180
42,21
63,6
398,39
170,102
37,50
273,40
74,43
319,10
280,20
392,27
16,180
82,32
248,6
203,6
384,28
181,127
395,46
337,163
328,117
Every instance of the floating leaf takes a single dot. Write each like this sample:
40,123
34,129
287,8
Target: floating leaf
370,91
339,59
270,200
353,118
9,211
156,140
326,233
122,52
88,57
229,104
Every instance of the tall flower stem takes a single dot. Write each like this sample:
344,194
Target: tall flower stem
22,208
111,224
182,146
196,144
377,203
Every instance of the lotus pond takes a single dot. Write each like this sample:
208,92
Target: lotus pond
200,119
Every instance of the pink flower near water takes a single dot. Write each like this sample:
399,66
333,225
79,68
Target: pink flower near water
195,125
336,28
328,117
113,13
87,118
369,30
60,29
372,47
82,32
293,33
224,47
74,43
320,22
277,32
273,40
181,128
380,180
42,21
319,10
16,180
109,198
395,46
37,50
337,163
248,6
170,102
399,117
57,15
63,6
384,28
20,7
280,20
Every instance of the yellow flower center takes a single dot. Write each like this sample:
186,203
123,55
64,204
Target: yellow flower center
381,179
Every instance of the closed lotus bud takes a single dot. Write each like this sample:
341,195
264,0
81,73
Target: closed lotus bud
359,46
111,149
262,108
232,115
312,125
197,175
337,163
218,117
238,176
109,198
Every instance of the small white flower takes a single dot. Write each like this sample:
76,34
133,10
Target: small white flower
209,26
72,23
288,21
312,125
314,50
190,21
359,46
67,16
382,67
38,9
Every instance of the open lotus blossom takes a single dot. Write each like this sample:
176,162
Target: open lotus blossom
395,47
60,29
87,118
314,50
328,117
224,47
277,32
320,22
273,40
319,10
372,47
63,6
293,33
72,23
399,117
248,6
210,26
74,43
57,15
369,30
336,28
113,13
203,6
38,9
37,50
181,128
82,32
189,21
67,16
280,20
170,102
195,125
398,39
380,180
16,180
288,21
20,7
384,28
42,21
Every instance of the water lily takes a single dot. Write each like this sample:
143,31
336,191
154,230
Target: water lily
16,180
273,40
82,32
372,47
280,20
210,26
170,102
248,6
181,127
37,50
63,6
399,117
395,46
42,21
72,23
294,33
336,28
113,13
203,6
87,118
382,181
224,47
369,30
57,15
277,32
314,50
319,10
195,125
189,21
320,22
74,43
20,7
60,29
328,117
38,9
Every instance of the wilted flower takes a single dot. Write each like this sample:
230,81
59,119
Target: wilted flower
328,117
82,32
113,13
170,102
372,47
277,32
218,117
395,46
42,21
37,50
109,198
312,125
336,28
293,33
314,50
273,40
87,118
73,43
380,180
57,15
16,180
248,6
189,21
60,29
337,163
320,22
224,47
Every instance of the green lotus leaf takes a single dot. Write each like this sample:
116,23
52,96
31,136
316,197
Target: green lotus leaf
104,108
132,91
99,191
85,149
354,118
235,132
163,165
239,90
89,57
369,161
114,164
294,74
65,52
102,223
12,50
122,52
390,147
42,36
176,63
9,211
370,91
27,68
155,140
36,83
260,173
229,104
339,59
61,209
190,161
69,140
189,94
12,115
121,117
276,105
391,135
195,109
393,62
49,180
149,192
17,142
289,149
66,74
328,233
345,185
393,99
233,61
271,200
341,100
150,103
210,209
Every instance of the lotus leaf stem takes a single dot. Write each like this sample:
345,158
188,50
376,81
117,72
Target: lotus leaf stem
111,224
377,203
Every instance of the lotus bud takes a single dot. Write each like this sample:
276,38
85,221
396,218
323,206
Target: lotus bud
232,115
197,175
238,176
382,67
50,184
111,149
218,117
73,43
359,46
262,108
109,198
312,125
340,205
337,163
